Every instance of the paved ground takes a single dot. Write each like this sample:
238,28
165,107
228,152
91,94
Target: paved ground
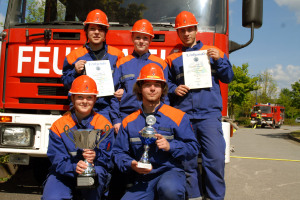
265,165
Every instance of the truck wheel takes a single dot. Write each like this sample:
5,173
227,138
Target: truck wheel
273,124
7,170
40,169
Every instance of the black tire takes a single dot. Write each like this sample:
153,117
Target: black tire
40,168
273,124
278,125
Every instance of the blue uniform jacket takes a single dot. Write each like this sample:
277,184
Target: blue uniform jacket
199,103
125,75
173,124
85,53
62,152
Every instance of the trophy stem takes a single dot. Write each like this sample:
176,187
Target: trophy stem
144,161
145,156
89,171
147,136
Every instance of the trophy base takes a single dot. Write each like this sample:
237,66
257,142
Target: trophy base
144,165
87,182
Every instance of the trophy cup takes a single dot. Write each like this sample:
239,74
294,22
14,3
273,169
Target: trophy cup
147,137
87,139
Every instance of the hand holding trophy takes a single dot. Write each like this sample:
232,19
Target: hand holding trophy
79,147
147,136
87,139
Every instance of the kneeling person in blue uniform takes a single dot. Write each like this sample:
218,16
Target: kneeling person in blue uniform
175,142
67,158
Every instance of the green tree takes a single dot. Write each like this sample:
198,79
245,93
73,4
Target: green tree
296,94
290,99
112,8
35,11
116,13
239,90
286,99
268,88
244,110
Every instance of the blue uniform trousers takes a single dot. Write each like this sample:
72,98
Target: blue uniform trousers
59,187
193,176
210,137
168,186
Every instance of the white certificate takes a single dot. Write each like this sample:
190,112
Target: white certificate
196,69
100,71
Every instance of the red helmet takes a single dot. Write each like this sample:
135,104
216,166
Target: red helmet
96,17
151,71
185,19
84,85
143,26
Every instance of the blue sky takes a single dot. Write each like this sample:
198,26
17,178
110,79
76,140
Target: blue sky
276,46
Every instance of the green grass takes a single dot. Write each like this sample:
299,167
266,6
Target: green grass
295,134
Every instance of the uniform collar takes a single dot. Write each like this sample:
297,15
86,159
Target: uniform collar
144,56
155,111
196,47
89,48
85,121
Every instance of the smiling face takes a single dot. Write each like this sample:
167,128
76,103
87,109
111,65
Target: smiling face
96,34
187,35
83,104
141,42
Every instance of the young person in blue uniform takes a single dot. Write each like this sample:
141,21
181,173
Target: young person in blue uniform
175,142
95,27
66,158
203,106
128,69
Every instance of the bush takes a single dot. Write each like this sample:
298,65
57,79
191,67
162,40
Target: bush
290,122
245,121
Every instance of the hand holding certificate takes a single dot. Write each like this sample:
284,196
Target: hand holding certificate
196,69
100,71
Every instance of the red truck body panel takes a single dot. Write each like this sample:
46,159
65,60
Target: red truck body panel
31,78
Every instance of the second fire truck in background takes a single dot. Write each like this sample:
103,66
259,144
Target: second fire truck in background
271,115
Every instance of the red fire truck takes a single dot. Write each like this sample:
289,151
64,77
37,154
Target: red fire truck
38,34
267,114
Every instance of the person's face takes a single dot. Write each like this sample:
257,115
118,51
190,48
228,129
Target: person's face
187,35
141,42
83,104
96,34
151,91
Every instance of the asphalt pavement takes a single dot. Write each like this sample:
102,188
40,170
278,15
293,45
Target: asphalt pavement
265,165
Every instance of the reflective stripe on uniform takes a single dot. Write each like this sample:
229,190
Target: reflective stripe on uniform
171,137
127,76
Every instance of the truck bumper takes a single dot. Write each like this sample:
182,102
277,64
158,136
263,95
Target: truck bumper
25,134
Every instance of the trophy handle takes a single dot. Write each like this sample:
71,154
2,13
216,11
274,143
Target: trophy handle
67,131
106,130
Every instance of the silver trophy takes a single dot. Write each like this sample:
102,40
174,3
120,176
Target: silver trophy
147,137
87,139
